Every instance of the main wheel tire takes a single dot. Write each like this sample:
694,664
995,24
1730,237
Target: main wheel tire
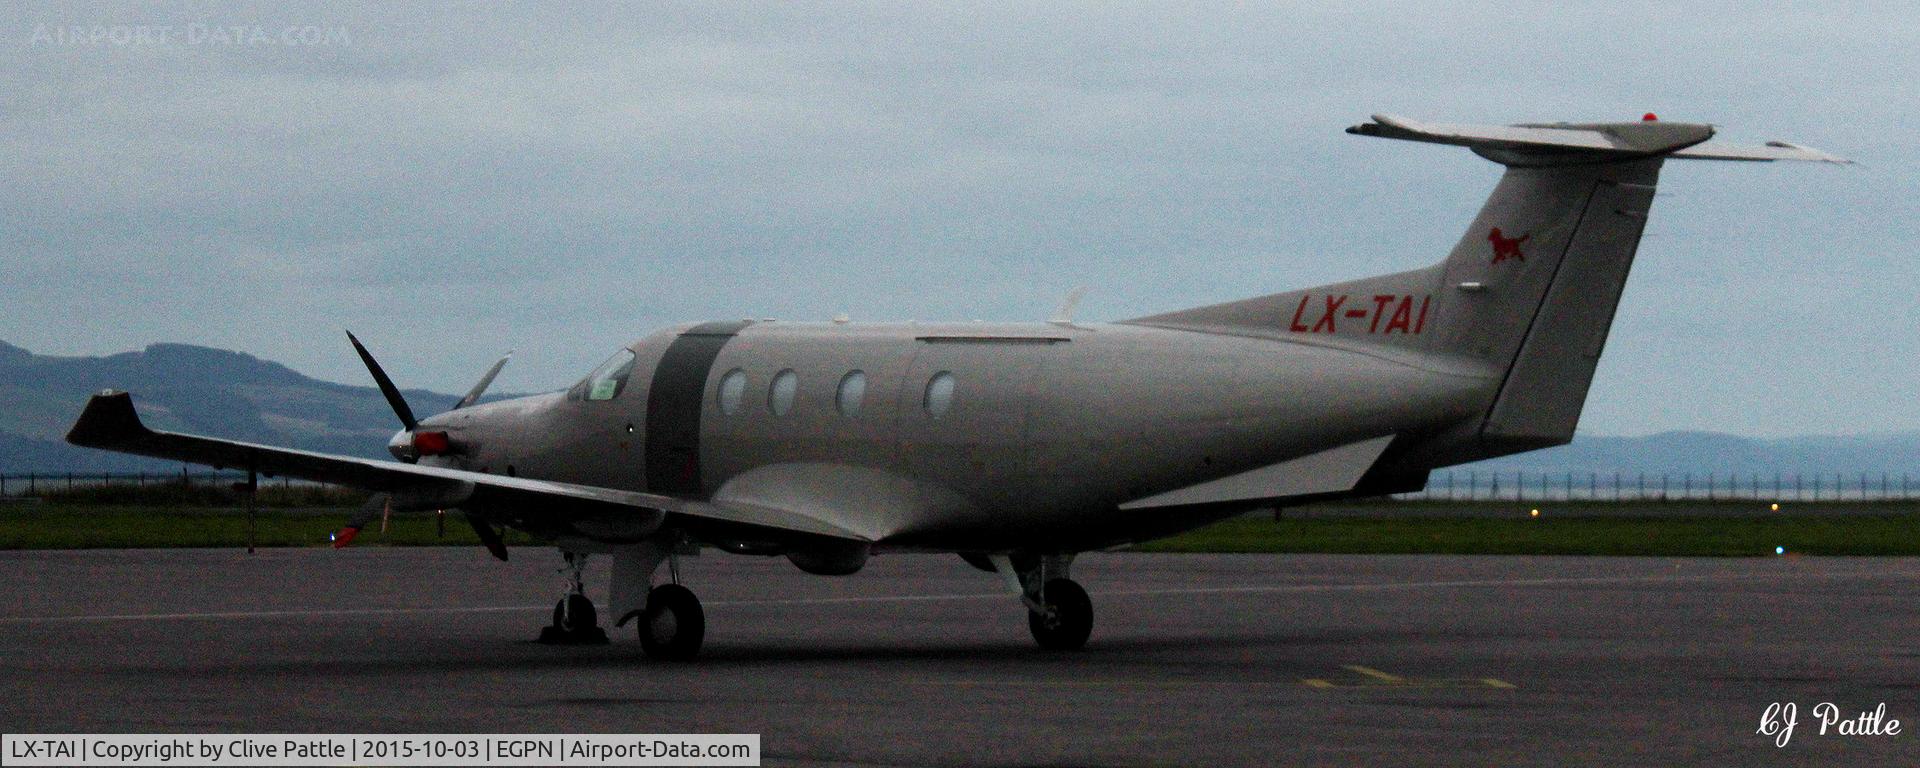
1068,619
673,624
575,614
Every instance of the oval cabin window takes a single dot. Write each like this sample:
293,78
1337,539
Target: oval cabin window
853,388
939,397
780,396
733,389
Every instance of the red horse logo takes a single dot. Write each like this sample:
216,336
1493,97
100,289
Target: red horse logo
1506,247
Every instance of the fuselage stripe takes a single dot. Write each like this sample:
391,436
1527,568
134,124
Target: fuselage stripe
674,402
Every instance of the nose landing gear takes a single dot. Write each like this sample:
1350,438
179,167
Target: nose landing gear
575,622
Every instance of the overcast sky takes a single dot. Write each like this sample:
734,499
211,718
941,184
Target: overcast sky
454,181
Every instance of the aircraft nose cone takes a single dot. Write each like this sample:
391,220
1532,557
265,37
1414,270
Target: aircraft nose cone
401,445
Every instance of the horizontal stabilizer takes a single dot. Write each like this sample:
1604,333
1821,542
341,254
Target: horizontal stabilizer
1772,150
1557,143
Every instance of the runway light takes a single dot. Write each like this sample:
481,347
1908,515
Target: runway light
333,536
1779,550
1535,513
1775,506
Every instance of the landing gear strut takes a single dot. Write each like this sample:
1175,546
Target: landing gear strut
1059,613
575,622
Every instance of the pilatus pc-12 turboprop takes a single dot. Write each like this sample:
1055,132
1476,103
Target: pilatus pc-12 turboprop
1018,445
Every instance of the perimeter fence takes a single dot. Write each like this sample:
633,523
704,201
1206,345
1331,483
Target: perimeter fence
27,485
1443,485
1470,485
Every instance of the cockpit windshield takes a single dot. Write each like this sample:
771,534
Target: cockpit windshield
607,381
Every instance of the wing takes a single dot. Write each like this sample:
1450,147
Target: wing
1332,471
111,423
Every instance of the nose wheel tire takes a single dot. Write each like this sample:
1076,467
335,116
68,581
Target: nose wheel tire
575,613
1068,618
575,622
672,625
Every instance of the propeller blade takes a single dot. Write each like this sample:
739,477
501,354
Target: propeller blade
488,536
373,508
386,385
473,395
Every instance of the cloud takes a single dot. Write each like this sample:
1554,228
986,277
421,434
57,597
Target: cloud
452,181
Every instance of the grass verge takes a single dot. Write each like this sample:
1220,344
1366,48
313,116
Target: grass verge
81,526
69,526
1559,535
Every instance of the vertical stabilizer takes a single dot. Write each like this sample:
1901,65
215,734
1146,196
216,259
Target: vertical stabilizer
1528,293
1545,324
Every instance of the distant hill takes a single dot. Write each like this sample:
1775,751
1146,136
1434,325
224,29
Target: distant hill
191,389
230,394
1701,452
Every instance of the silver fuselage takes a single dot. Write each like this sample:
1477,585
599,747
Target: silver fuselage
1050,427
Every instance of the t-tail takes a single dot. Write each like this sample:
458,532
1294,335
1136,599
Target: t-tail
1528,293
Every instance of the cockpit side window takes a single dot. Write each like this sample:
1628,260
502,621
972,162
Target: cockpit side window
607,381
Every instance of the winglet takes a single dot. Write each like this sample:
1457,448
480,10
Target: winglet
109,420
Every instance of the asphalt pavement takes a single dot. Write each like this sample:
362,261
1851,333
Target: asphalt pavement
921,660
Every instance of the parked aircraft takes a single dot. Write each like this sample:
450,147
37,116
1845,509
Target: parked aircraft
1017,446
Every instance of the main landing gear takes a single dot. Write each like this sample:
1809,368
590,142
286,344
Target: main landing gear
1059,613
671,623
1064,618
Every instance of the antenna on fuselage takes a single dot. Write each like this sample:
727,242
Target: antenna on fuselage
1064,315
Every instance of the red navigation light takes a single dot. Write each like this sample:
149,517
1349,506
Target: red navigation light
430,443
1649,117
